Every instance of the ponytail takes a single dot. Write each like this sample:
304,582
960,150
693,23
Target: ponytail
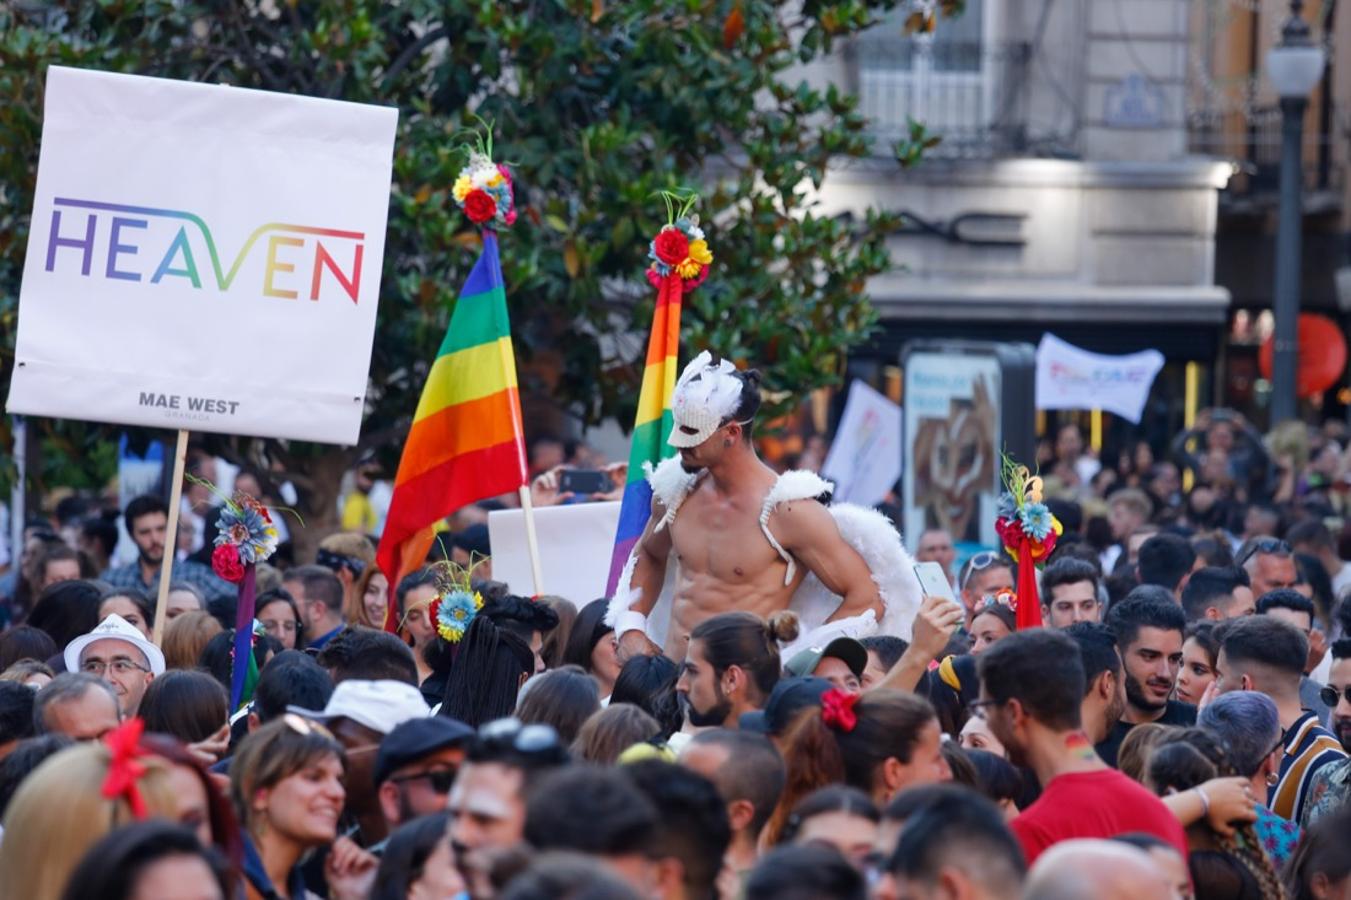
812,760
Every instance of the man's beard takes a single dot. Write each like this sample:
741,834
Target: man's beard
148,559
1342,728
714,716
1135,695
689,467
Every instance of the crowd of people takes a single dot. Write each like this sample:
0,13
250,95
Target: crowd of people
1179,726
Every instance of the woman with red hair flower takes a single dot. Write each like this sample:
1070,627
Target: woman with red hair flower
881,742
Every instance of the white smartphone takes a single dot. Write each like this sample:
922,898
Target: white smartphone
934,581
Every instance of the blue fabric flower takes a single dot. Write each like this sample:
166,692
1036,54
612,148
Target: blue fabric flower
1005,508
454,612
1037,520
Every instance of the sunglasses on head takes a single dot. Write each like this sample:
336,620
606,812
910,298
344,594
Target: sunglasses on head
979,563
511,734
303,726
1265,546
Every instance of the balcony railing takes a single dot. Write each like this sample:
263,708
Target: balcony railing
1253,139
972,95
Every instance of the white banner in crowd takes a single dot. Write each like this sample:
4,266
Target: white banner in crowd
1071,378
575,541
865,457
203,257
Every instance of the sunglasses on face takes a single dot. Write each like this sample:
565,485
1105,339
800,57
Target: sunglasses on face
511,734
1331,696
440,780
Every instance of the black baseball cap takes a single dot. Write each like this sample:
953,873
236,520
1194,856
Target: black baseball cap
789,697
417,738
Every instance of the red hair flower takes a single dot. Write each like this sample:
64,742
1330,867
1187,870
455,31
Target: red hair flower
479,206
837,709
124,769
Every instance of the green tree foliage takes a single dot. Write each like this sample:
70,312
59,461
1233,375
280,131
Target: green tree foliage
598,105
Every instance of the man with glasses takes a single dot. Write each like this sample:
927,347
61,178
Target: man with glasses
1031,689
417,765
983,575
487,801
1330,789
1269,564
117,652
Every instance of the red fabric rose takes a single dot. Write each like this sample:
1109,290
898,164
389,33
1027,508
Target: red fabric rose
671,246
226,563
837,709
479,206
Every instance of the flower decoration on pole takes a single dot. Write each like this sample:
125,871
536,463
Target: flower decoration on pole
456,602
247,536
680,248
483,188
1028,532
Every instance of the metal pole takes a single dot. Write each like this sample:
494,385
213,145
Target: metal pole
1285,359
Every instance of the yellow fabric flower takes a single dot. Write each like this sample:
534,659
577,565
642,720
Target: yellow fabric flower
688,268
495,179
699,252
463,185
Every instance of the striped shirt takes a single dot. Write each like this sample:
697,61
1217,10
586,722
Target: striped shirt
1308,747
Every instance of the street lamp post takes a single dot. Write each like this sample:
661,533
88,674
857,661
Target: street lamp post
1295,66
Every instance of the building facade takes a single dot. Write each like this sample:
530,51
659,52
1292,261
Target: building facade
1066,194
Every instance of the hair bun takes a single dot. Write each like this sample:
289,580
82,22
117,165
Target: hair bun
783,626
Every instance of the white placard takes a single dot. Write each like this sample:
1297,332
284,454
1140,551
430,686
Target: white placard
574,548
865,456
1071,378
203,257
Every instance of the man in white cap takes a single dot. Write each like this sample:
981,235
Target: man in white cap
120,654
360,714
747,538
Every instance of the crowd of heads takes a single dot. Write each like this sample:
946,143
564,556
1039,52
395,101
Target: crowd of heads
1178,727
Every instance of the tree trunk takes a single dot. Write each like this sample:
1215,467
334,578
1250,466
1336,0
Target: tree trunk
318,502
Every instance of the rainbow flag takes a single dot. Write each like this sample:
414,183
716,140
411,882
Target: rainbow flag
466,442
651,426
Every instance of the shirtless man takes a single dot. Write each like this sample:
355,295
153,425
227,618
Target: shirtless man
727,561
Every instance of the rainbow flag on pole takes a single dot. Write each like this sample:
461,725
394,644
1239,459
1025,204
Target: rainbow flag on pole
652,425
466,442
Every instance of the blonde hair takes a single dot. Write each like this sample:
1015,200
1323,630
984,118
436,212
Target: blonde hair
350,543
186,637
59,812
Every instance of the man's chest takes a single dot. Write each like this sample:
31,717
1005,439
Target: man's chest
711,531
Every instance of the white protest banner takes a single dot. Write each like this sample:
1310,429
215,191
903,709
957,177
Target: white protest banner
865,456
203,257
1071,378
575,541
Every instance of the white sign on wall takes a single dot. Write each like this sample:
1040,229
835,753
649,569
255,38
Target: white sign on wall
203,257
1071,378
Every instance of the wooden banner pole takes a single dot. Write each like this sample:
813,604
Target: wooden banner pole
532,542
171,535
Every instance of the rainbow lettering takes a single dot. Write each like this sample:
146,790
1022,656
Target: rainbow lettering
179,261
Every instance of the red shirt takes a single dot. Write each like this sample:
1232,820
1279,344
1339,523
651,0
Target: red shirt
1098,804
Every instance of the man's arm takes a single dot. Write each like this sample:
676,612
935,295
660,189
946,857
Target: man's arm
807,530
649,573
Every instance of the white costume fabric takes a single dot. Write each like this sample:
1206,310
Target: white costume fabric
867,531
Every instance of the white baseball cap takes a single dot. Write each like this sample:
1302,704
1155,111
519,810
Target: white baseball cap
114,628
705,397
379,705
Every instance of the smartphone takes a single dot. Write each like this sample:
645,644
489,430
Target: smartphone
934,581
584,481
